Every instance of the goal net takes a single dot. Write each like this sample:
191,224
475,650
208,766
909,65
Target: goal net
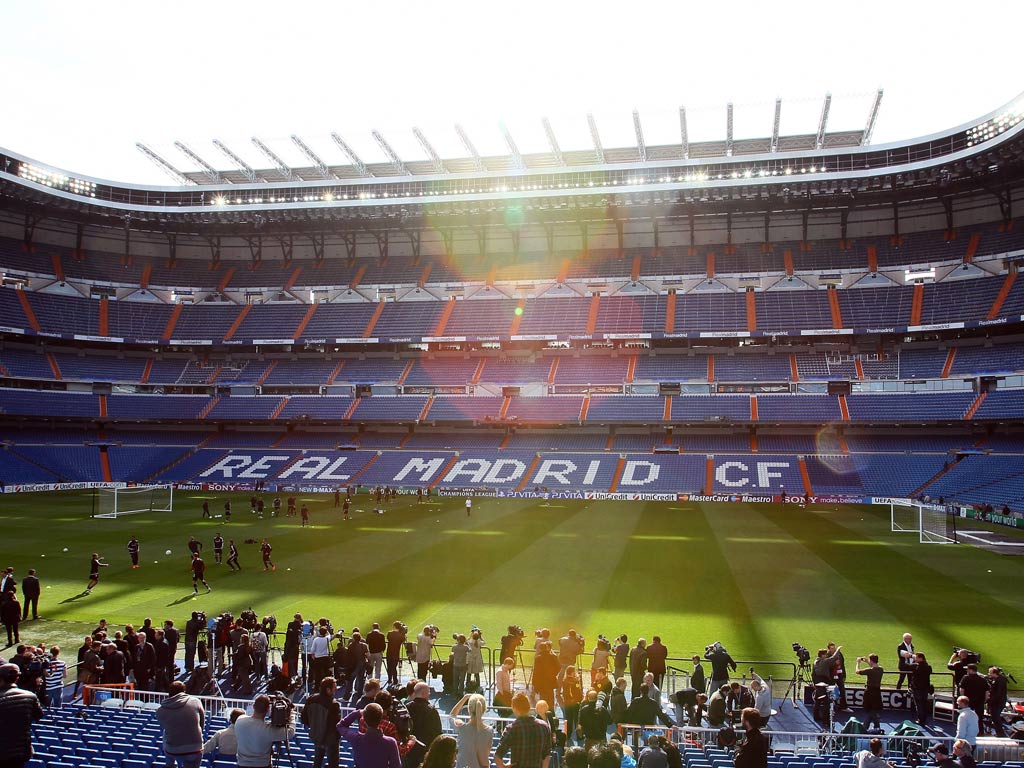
931,522
114,502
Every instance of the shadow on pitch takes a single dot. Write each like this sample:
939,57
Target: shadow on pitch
75,598
180,600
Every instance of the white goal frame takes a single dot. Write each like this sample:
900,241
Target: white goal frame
112,503
932,523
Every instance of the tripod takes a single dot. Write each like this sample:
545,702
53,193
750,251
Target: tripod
279,747
796,685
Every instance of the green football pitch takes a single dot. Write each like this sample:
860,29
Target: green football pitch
755,577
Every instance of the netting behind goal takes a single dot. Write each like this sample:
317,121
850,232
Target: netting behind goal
938,526
114,502
931,522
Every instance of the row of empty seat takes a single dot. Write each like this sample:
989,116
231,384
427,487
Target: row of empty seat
337,269
777,365
899,407
707,308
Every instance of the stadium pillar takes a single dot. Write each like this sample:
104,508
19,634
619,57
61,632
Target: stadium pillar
1004,291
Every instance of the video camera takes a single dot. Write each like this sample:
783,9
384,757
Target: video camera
270,624
603,643
516,631
281,708
714,647
971,658
403,627
802,654
431,631
201,616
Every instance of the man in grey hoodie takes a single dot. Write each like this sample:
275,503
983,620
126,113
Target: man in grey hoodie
182,717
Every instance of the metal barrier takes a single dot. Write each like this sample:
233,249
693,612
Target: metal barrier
796,742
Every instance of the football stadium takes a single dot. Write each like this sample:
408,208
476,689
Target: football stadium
676,413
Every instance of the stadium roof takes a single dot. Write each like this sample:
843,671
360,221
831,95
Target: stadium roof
240,172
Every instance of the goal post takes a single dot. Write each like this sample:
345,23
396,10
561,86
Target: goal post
938,525
115,502
932,523
904,517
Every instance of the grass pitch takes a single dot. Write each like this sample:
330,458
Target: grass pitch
756,577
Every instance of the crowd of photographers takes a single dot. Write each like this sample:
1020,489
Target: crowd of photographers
554,705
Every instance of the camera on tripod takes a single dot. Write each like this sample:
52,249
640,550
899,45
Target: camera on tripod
516,631
431,631
802,654
281,708
970,658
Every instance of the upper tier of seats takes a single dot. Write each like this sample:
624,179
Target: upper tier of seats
745,258
560,370
721,312
875,408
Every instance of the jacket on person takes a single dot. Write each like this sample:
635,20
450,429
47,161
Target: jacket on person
182,717
643,710
321,716
255,738
18,710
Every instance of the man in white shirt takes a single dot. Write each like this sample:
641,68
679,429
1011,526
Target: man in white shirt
224,741
469,506
256,737
762,696
320,653
967,725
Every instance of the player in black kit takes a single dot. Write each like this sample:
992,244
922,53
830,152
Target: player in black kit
233,556
218,549
133,551
94,571
198,574
266,549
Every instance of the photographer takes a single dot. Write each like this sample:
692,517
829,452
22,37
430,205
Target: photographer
256,736
475,666
621,656
193,627
721,663
510,643
957,664
424,644
975,688
824,666
459,659
569,647
396,639
376,643
292,646
872,690
602,652
357,663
